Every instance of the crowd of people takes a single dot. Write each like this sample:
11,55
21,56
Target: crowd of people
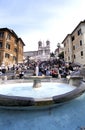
56,68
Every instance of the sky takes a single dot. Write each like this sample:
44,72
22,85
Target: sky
41,20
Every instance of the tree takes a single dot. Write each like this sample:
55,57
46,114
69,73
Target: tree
61,55
52,54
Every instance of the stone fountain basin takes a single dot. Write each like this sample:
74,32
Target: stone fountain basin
14,101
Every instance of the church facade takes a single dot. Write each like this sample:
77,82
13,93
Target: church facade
43,52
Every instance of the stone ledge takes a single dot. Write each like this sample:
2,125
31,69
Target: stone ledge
16,101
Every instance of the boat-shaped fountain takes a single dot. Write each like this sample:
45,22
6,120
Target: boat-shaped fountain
42,103
39,94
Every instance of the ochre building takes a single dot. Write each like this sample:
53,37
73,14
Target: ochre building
11,47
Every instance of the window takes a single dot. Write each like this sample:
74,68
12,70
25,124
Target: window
81,53
16,41
7,45
9,36
73,47
1,34
1,44
7,55
40,44
80,42
74,56
15,49
73,38
14,58
47,43
68,58
68,49
79,31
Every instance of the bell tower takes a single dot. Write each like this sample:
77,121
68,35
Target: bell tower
48,44
39,45
47,47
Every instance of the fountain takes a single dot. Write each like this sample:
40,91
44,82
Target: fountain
40,104
39,94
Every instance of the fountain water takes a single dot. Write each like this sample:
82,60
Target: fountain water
37,70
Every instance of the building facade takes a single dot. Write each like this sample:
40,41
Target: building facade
58,51
74,45
11,47
43,52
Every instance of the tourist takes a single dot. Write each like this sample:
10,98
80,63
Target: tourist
48,72
21,74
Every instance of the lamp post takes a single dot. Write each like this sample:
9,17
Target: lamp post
58,45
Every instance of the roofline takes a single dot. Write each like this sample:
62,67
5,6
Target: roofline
9,30
13,33
66,38
81,22
30,51
21,41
